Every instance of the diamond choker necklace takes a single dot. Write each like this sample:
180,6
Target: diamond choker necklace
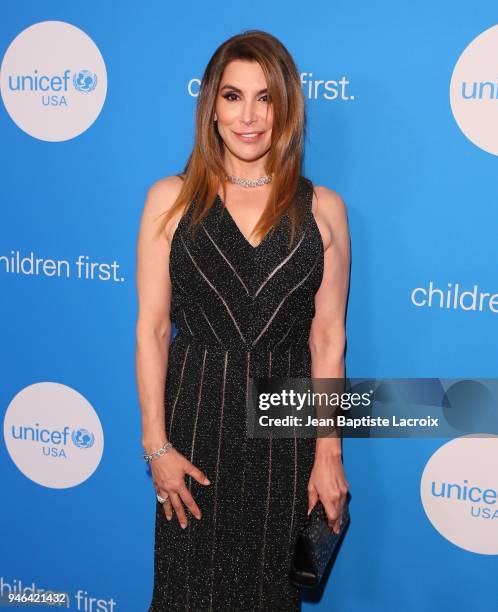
263,180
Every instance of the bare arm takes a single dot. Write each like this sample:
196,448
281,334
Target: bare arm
327,335
327,342
153,333
153,326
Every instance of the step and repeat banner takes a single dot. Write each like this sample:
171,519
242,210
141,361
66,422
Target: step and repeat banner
98,102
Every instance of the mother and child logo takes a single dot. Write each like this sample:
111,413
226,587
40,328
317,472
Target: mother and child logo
53,435
53,81
459,491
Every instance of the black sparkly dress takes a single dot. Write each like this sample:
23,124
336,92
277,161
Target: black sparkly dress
239,311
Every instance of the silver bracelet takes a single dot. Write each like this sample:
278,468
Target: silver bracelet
158,453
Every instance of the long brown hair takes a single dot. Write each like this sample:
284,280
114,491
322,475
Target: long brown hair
204,171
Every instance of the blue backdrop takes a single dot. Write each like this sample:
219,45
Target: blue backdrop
422,201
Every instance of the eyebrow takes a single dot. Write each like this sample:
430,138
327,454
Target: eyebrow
228,86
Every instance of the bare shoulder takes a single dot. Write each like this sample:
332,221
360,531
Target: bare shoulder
330,213
162,194
328,203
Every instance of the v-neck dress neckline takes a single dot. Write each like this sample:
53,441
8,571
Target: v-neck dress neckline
238,231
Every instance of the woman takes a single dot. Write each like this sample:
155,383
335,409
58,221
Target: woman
252,265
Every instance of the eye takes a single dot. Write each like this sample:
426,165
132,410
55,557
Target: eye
232,96
228,96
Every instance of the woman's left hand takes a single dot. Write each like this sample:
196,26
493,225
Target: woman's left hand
328,484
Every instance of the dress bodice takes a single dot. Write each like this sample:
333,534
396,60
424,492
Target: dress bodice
230,295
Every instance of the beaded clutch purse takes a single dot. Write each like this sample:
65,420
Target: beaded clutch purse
315,546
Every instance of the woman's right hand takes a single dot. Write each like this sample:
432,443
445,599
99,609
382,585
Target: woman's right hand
168,475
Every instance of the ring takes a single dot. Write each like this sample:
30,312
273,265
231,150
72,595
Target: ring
160,499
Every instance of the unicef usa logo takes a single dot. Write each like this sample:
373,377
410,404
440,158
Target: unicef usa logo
53,81
52,442
474,91
84,81
53,435
459,491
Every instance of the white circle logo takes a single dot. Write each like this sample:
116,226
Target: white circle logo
53,81
53,435
459,491
474,91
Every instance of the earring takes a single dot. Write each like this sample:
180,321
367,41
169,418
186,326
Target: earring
215,118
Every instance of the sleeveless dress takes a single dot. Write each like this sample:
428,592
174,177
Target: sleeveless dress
239,311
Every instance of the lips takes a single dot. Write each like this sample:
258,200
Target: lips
248,136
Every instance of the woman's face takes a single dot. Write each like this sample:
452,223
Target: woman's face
244,113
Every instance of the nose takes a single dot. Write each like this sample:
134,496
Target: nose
248,115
